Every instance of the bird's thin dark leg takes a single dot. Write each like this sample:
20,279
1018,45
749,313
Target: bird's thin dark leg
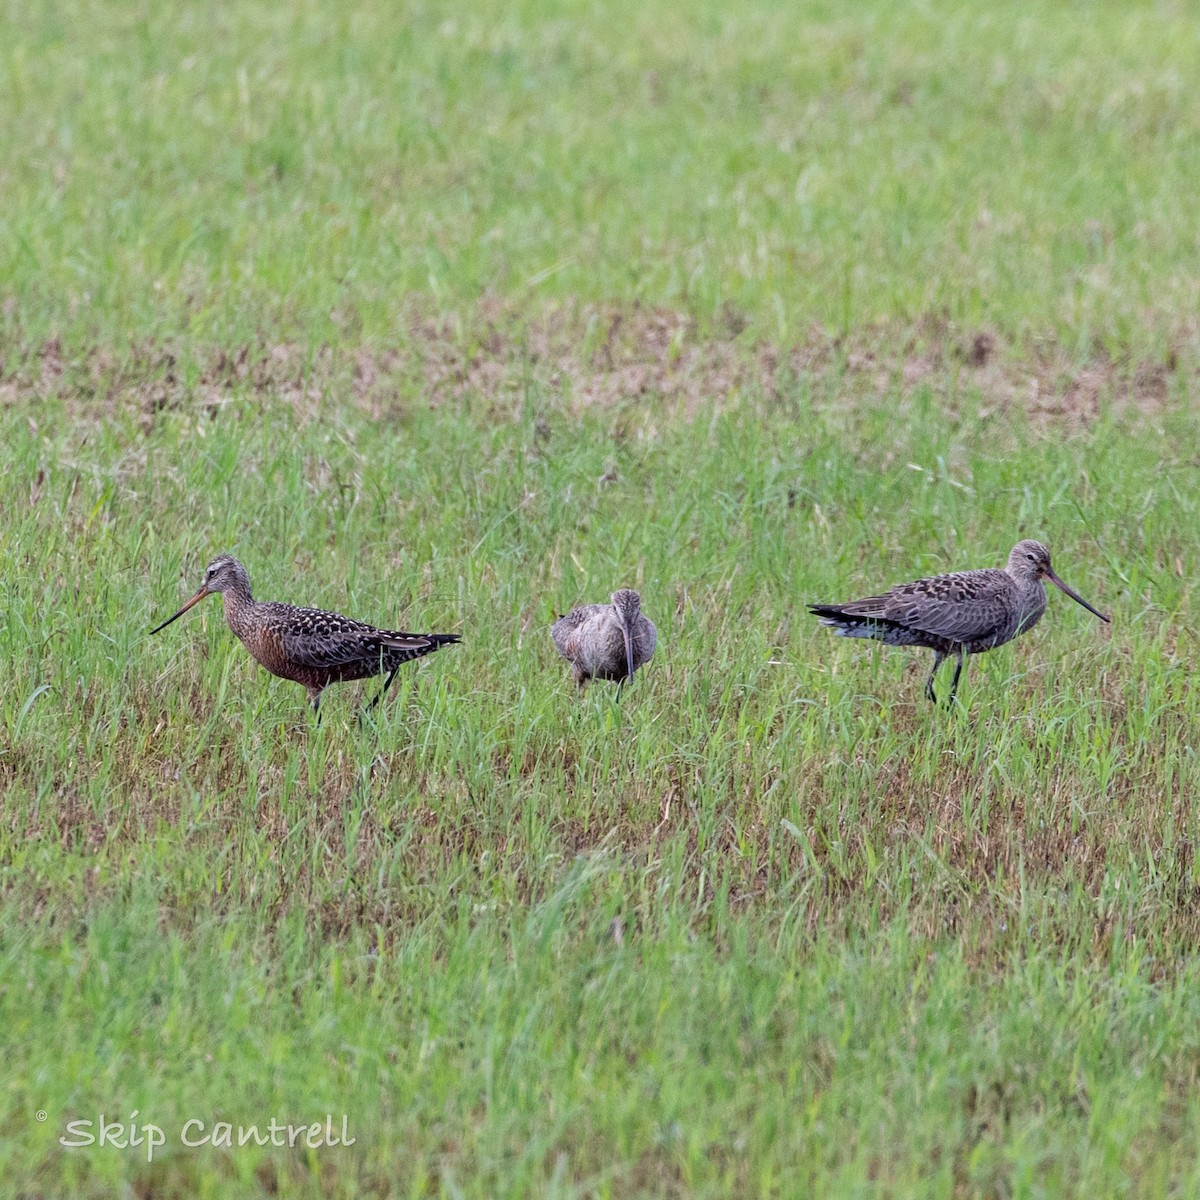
314,699
962,650
938,659
387,683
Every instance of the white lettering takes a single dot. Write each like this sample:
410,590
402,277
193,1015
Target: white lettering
154,1137
114,1133
246,1132
186,1140
78,1129
129,1134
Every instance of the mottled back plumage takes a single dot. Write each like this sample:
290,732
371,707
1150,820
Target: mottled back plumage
309,646
606,641
966,612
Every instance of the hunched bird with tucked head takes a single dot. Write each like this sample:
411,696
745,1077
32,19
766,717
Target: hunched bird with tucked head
312,647
606,641
966,612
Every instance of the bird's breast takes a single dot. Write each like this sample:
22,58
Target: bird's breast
1018,616
268,649
1032,606
605,646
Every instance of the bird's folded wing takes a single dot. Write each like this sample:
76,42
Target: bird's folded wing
565,629
325,653
647,638
324,641
960,608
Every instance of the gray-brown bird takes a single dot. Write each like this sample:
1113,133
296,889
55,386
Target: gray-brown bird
307,645
606,641
967,612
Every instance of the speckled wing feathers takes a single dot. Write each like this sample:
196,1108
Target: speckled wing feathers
943,611
963,607
566,630
323,642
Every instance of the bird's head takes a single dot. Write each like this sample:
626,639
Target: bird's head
628,605
1031,560
223,574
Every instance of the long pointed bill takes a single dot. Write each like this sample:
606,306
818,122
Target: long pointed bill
628,659
1054,579
194,600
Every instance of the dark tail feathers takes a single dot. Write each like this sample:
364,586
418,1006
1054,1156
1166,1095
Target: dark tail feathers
417,645
852,624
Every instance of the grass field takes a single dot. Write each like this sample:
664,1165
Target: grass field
454,316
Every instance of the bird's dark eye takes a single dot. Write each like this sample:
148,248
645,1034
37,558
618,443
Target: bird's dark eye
1031,558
